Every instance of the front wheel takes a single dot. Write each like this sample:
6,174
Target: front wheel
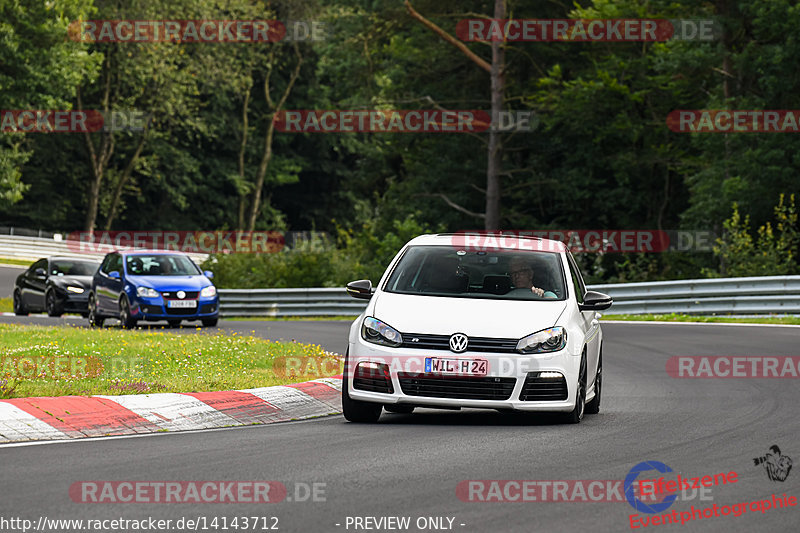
95,320
125,318
593,407
354,410
210,322
19,307
51,304
576,415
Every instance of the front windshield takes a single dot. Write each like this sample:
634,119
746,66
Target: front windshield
506,275
72,267
160,265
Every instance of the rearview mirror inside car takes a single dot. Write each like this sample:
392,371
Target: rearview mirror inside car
361,289
595,301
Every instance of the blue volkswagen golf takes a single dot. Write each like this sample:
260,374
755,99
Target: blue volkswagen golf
152,285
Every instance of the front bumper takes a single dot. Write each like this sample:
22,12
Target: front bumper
75,303
157,309
512,380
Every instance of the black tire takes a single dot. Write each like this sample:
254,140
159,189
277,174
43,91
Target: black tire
576,415
400,408
19,307
354,410
593,407
95,320
210,322
51,304
125,318
174,323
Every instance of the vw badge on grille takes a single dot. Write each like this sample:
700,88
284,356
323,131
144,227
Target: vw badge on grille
181,295
458,342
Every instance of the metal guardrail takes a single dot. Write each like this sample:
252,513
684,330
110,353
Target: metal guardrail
32,248
755,295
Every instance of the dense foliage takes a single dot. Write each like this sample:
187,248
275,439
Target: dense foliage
601,157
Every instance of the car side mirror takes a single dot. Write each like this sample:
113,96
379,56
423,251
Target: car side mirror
208,274
595,301
114,274
361,289
40,272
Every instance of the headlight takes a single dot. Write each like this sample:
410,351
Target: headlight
375,331
208,292
146,292
76,290
547,340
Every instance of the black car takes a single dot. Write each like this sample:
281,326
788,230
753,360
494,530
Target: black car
56,285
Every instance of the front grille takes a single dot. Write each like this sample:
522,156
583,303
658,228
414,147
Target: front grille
208,308
456,387
373,379
181,310
173,295
442,342
152,309
538,389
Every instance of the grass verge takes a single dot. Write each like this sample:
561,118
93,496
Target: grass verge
57,361
13,261
674,317
6,305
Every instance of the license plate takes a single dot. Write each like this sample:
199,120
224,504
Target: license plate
463,367
182,303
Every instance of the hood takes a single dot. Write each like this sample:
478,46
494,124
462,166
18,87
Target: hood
437,315
77,281
171,283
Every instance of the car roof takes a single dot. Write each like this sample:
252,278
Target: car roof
73,258
490,241
151,252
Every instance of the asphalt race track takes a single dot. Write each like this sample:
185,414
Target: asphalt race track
410,465
8,275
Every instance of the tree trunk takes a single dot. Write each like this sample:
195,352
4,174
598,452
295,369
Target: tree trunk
495,155
242,148
255,205
97,161
123,180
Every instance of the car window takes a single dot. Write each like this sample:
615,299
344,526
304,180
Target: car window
62,267
41,263
113,264
104,264
160,265
577,279
505,275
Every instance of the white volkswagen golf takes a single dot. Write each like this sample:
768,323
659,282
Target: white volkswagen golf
476,322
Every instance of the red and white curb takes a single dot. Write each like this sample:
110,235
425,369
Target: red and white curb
71,417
